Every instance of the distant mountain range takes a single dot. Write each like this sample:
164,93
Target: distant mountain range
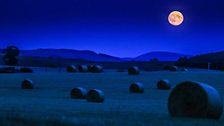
69,54
93,56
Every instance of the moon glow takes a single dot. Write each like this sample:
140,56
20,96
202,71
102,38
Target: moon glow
175,18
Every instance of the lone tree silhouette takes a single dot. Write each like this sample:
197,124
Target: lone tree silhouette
154,60
10,55
182,61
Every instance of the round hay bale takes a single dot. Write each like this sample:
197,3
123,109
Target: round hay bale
26,70
133,70
71,68
83,68
163,85
184,70
196,100
95,95
173,68
136,87
96,69
78,93
27,84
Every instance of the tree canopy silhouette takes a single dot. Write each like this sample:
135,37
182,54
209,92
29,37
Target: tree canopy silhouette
10,55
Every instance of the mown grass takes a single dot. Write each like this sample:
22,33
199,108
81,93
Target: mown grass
19,120
106,119
49,104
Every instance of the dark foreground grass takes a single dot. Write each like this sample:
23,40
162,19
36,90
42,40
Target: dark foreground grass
49,104
106,119
18,120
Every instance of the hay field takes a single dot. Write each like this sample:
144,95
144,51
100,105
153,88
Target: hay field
49,104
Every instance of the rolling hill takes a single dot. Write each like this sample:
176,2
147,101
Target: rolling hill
97,57
209,57
69,54
216,61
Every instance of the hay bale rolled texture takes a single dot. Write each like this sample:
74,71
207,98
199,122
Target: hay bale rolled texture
27,84
78,93
26,70
95,95
136,87
173,68
133,70
96,69
83,68
71,69
163,85
195,99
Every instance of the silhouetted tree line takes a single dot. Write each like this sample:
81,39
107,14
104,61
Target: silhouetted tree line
10,55
183,61
201,62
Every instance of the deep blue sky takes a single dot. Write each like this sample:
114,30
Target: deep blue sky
123,28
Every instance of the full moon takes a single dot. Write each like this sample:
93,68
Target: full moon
175,18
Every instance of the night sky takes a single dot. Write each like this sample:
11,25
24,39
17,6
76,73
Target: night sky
124,28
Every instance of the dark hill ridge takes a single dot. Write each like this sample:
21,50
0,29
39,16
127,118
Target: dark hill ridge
93,56
215,59
210,57
69,54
